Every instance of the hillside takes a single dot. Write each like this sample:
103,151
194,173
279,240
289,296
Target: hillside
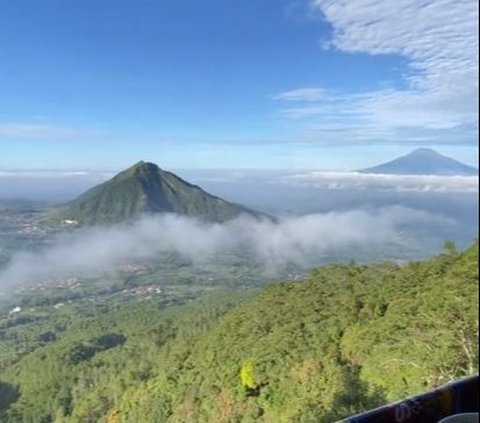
346,339
423,161
145,188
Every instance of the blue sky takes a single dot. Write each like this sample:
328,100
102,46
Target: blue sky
288,84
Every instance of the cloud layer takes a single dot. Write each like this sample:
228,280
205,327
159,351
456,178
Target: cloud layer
296,240
399,183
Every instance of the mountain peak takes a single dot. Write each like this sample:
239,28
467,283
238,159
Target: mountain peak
423,161
143,166
424,151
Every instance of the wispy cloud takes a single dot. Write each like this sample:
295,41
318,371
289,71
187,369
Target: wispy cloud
439,38
42,131
302,94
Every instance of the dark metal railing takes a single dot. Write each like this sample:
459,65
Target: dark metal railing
453,398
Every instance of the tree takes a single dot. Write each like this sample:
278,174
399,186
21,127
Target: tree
248,378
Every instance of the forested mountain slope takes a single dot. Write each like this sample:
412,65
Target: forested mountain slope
346,339
145,189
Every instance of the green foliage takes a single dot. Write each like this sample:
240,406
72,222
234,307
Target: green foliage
247,376
346,339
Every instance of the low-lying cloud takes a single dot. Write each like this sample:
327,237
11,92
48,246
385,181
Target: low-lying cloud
293,240
399,183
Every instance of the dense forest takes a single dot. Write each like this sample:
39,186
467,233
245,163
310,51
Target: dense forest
347,338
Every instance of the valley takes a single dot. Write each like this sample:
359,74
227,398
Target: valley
321,340
153,317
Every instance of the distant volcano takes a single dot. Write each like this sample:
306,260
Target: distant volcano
145,188
423,161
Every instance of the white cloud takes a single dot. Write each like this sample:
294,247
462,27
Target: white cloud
302,94
439,38
295,240
42,131
365,181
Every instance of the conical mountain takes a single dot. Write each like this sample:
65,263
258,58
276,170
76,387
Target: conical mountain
423,161
145,189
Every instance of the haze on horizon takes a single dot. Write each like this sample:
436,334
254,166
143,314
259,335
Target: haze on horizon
321,217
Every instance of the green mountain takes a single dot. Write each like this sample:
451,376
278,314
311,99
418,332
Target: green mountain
145,188
346,339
